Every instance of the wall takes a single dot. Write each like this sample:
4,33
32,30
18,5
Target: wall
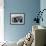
29,7
43,6
1,20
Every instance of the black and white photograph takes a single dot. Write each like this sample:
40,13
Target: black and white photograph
17,18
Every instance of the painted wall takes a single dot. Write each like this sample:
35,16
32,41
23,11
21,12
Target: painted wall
29,7
43,6
1,20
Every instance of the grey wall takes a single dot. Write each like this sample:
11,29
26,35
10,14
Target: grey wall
29,7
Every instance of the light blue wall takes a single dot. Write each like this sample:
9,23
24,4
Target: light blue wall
29,7
43,6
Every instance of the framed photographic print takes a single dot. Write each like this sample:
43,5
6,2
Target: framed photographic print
17,18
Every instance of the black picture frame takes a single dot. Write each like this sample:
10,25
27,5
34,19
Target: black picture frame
17,18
